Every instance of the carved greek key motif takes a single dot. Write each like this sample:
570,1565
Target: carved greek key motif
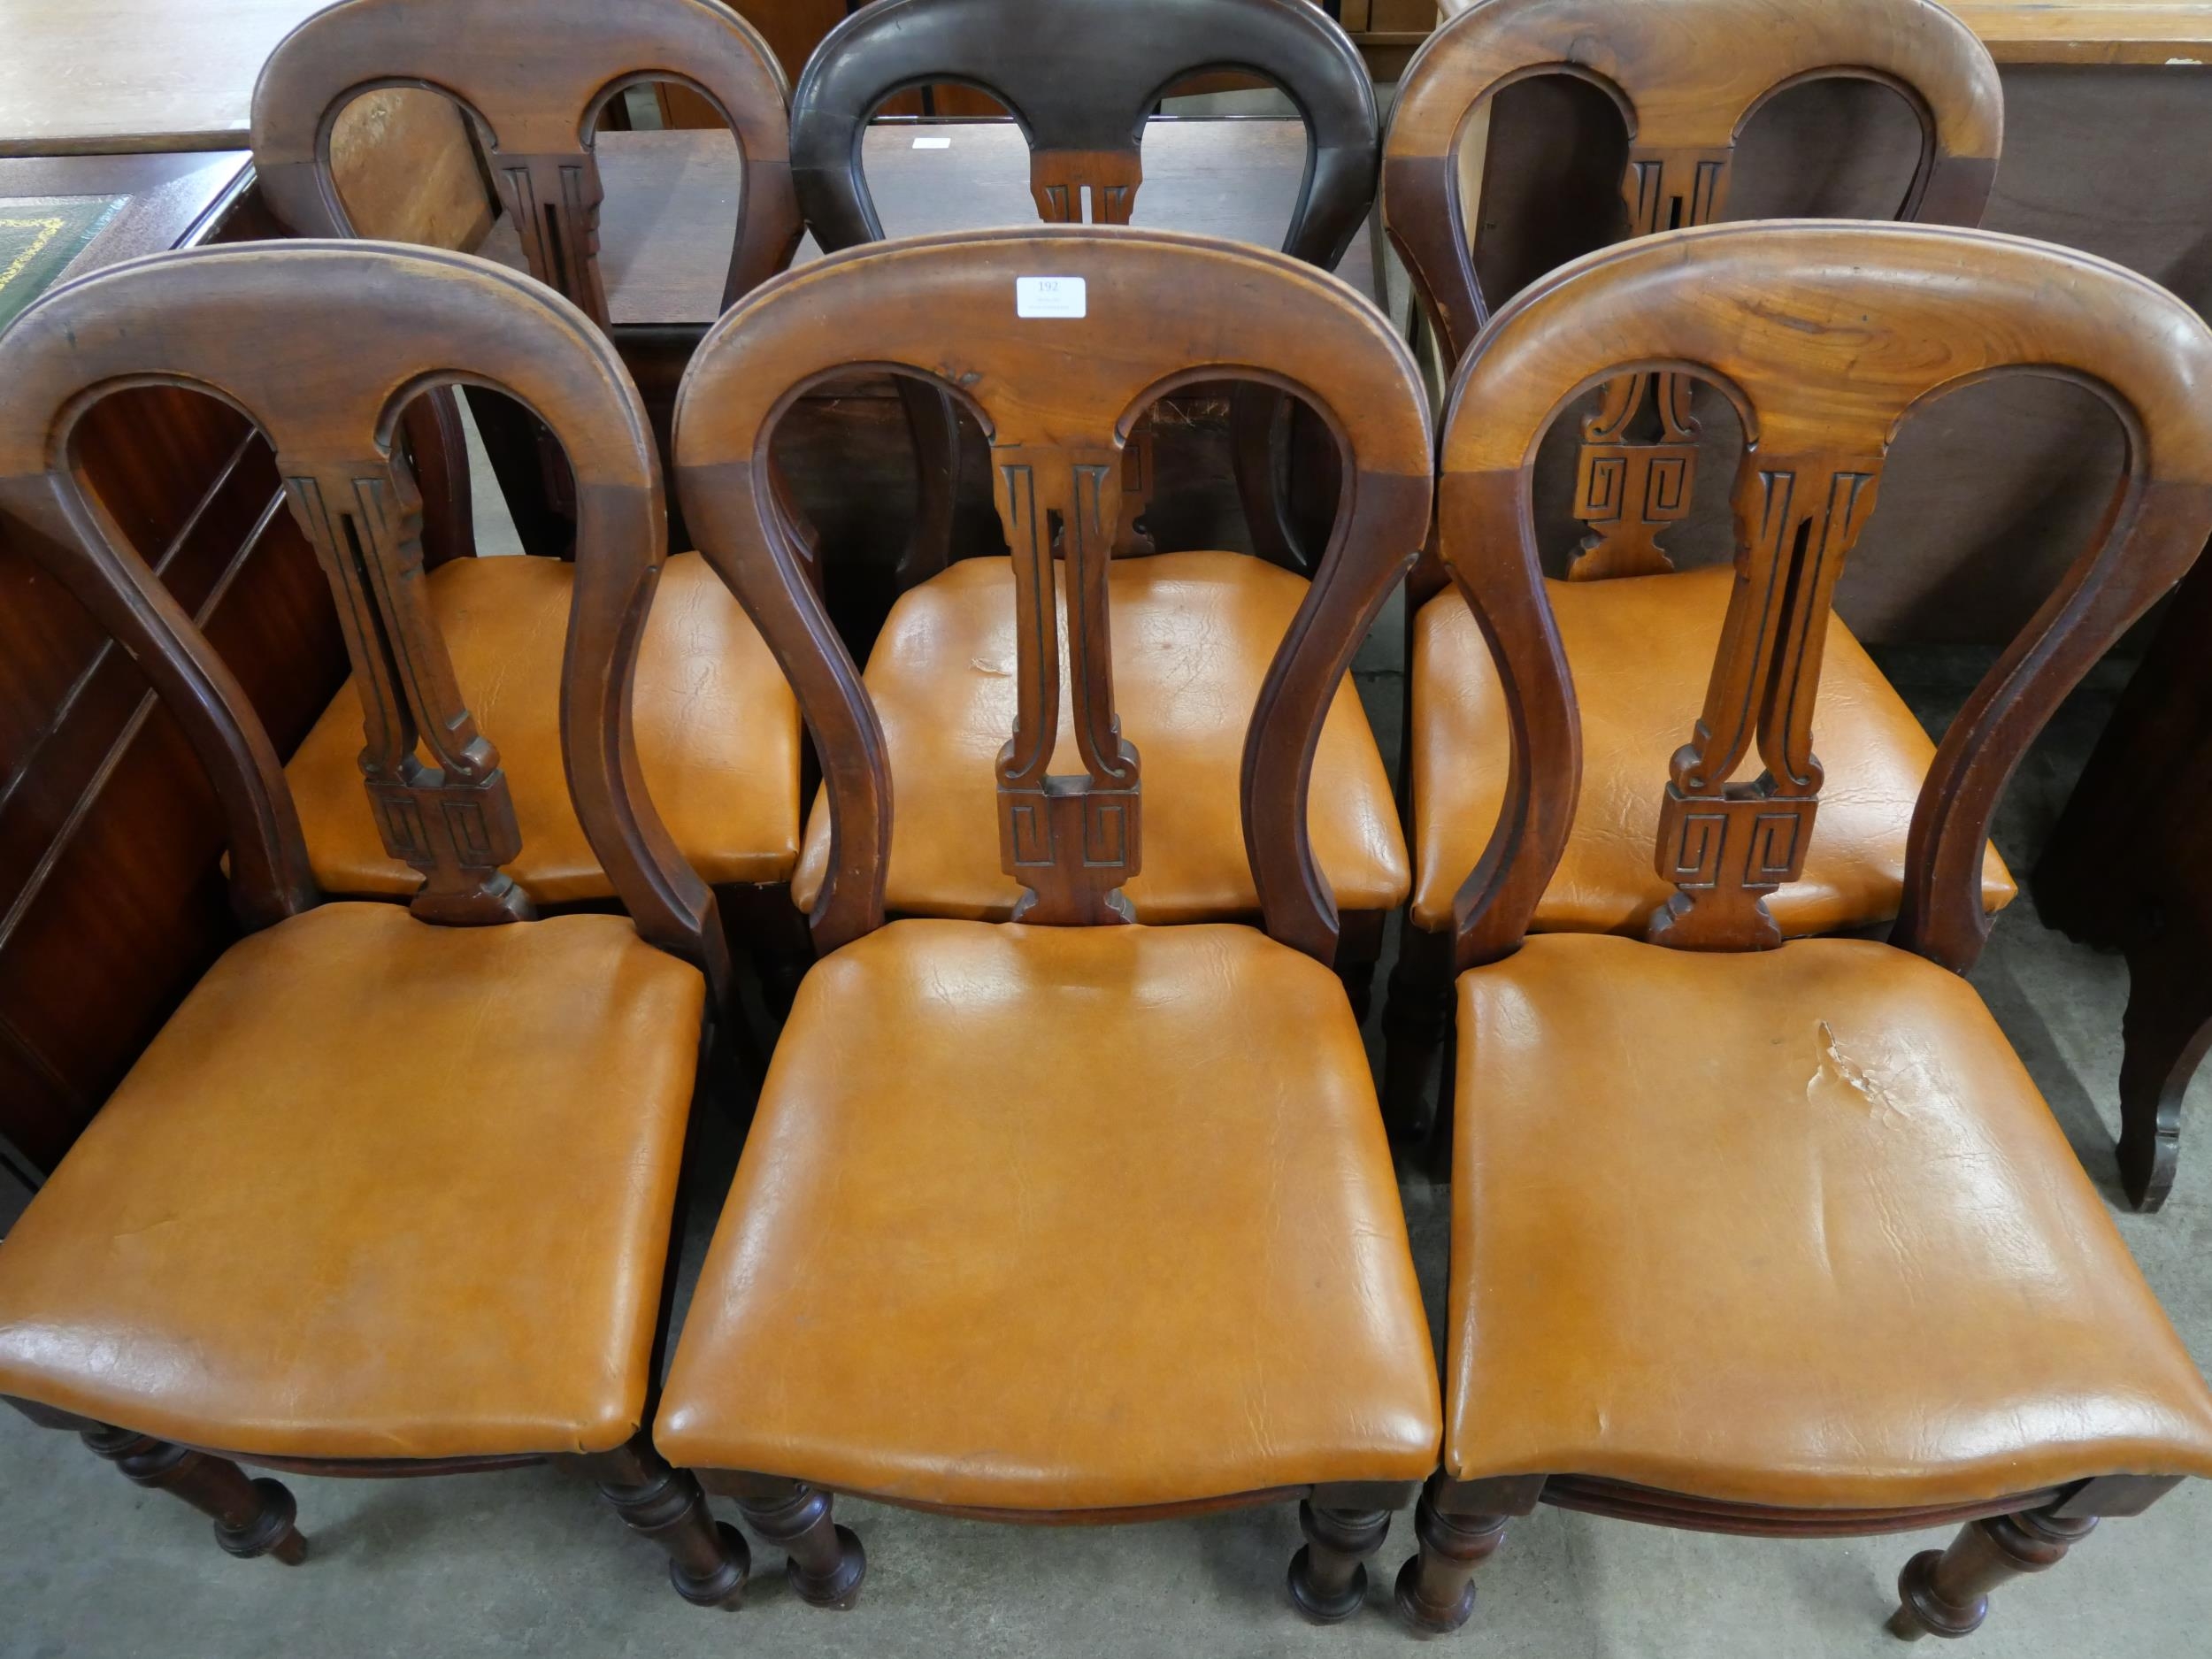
1726,845
433,782
1639,463
1070,839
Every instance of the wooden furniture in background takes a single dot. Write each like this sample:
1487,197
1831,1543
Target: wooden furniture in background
1636,639
2129,867
718,731
1054,1106
102,925
517,1312
1722,1229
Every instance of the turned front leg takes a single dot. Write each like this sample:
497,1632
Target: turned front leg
826,1563
1459,1526
1945,1592
1328,1577
707,1559
252,1517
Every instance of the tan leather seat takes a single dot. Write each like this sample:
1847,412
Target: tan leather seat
1042,1219
1192,636
718,734
1640,650
378,1189
1790,1228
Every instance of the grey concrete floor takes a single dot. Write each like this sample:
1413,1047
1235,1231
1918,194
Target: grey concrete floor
527,1562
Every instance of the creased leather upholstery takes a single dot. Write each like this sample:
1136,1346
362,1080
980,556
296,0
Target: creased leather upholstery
1192,636
718,734
1058,1218
1641,650
1789,1227
378,1189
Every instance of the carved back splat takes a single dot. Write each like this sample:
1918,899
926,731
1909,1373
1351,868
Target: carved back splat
1688,75
453,819
1727,845
535,74
322,344
1055,397
1082,77
1825,337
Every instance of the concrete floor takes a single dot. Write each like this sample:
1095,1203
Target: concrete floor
527,1560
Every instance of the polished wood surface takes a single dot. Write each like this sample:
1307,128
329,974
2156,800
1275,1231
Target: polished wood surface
671,199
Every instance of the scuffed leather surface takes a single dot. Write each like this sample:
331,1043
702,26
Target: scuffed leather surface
1789,1227
1192,636
1042,1219
378,1189
718,734
1641,650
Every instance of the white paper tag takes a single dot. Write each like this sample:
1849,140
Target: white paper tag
933,143
1050,297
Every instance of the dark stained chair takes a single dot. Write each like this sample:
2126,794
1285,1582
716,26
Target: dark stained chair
1064,1218
1784,1241
390,1192
1081,77
717,729
1688,77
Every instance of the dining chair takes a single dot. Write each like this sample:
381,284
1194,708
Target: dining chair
391,1191
1081,78
1783,1240
717,729
1067,1218
1688,77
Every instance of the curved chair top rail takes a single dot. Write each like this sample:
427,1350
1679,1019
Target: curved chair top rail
1056,397
1081,76
535,74
1825,336
321,345
1687,75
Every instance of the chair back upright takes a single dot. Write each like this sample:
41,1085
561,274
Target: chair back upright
1132,315
323,345
1687,76
534,75
1825,336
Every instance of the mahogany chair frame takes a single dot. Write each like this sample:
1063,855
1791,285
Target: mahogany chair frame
1684,106
1080,78
1057,399
410,320
1826,338
534,78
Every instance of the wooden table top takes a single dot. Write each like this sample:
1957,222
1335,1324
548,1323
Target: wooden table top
671,199
102,77
2162,32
